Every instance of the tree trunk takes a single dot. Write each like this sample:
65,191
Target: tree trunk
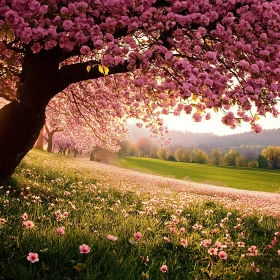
22,120
40,141
19,130
50,143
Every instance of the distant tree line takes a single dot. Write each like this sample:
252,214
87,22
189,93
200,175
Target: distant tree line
266,157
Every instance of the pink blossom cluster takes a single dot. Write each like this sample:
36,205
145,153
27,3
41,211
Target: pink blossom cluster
181,56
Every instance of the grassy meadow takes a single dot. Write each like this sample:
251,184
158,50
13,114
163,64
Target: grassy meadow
234,177
63,219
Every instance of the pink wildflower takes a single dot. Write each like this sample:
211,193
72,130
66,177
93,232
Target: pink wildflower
278,252
33,257
84,249
60,230
240,244
166,239
182,230
112,237
28,224
213,251
206,243
164,268
172,230
3,221
222,255
24,216
65,214
184,242
254,267
137,235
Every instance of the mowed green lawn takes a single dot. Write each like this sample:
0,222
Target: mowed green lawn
240,178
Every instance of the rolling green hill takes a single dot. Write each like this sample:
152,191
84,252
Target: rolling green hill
241,178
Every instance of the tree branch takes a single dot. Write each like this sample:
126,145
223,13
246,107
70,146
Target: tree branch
74,73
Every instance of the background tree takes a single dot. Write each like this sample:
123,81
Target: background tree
187,155
199,156
241,161
179,154
132,150
253,164
143,145
272,155
162,153
124,148
230,158
162,57
216,157
262,162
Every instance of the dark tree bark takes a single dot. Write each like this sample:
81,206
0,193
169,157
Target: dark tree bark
22,119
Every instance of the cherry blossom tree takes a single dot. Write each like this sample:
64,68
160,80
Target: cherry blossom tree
159,56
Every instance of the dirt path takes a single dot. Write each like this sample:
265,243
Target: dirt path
183,191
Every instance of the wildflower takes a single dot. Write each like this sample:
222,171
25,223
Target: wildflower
24,216
166,239
3,221
84,249
214,231
112,237
222,255
57,212
60,230
218,244
240,244
137,235
65,214
213,251
33,257
164,268
145,259
184,242
196,226
172,230
253,251
274,241
254,267
278,252
182,230
28,224
206,243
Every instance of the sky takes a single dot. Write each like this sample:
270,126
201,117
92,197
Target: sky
214,125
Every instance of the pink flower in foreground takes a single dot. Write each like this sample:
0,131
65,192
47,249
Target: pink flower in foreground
60,230
32,257
213,251
184,242
112,237
137,235
84,249
164,268
254,267
28,224
222,255
3,221
24,216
